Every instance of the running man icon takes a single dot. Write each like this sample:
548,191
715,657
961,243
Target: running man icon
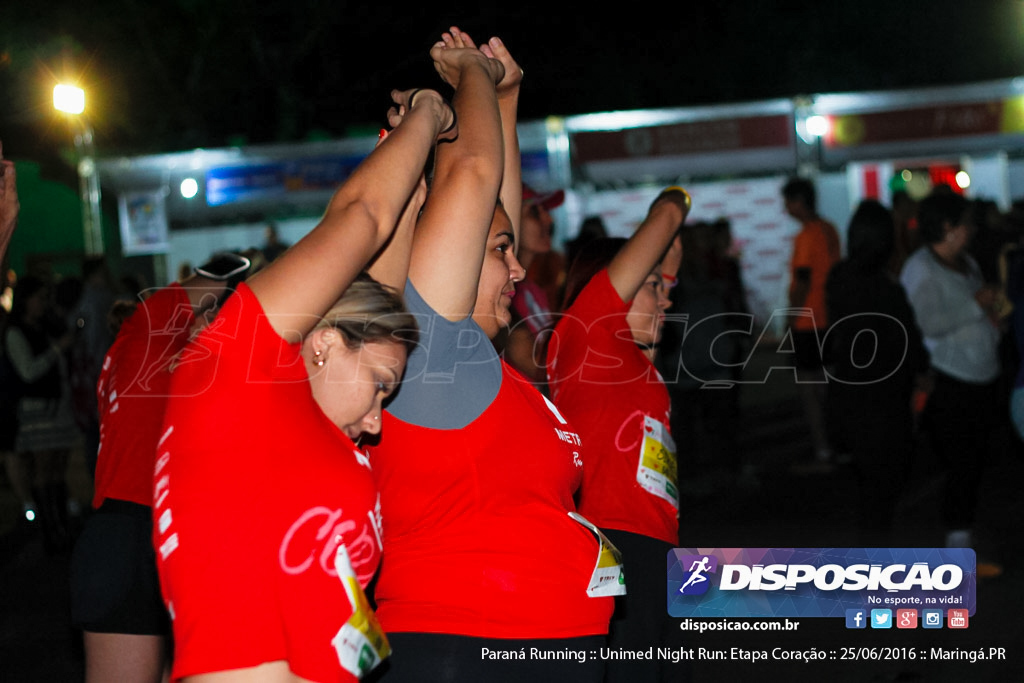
697,569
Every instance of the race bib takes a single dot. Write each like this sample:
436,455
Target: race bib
608,578
361,643
657,471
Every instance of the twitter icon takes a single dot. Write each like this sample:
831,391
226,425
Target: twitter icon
881,618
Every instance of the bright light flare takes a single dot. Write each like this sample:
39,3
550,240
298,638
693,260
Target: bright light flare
963,180
817,125
189,188
68,99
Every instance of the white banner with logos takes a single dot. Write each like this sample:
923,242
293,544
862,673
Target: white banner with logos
143,219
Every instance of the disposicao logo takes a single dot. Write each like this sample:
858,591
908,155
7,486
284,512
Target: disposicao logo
817,582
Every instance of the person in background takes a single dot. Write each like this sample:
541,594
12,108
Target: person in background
266,517
907,239
603,380
476,469
115,591
959,318
816,249
548,268
591,228
701,357
876,358
92,340
525,344
1012,268
10,383
35,342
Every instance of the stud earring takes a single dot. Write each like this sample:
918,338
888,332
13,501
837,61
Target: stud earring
318,358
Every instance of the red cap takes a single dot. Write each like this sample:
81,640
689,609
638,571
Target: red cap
548,201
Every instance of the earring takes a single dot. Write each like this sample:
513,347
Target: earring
318,358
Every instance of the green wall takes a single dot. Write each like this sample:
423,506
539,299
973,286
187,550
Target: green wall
49,233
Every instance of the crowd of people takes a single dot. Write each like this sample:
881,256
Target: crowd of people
379,451
914,345
390,432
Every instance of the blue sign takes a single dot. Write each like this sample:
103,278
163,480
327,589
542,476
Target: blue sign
241,183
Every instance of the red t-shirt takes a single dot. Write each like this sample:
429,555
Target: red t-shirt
132,392
254,489
817,248
611,392
477,536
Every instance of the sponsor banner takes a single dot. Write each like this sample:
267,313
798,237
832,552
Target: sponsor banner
953,120
817,582
226,185
143,222
686,138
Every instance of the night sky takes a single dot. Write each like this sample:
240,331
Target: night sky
166,76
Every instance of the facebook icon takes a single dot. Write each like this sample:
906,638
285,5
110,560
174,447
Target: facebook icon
856,618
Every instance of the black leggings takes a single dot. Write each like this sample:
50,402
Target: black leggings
641,619
114,582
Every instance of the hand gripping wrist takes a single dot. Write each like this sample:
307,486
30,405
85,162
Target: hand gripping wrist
451,126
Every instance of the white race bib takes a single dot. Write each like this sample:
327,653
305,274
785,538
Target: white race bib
657,471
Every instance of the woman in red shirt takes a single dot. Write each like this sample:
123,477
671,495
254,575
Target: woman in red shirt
602,378
484,561
266,517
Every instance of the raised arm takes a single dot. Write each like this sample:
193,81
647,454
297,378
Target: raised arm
302,284
450,239
647,246
391,265
508,106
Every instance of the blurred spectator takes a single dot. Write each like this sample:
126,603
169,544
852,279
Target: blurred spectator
877,356
1013,260
815,250
700,360
132,287
958,316
991,235
532,320
904,217
92,339
592,227
16,465
36,341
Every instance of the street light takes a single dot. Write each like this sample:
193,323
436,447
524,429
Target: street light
71,100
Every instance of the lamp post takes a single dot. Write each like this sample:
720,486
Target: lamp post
71,100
